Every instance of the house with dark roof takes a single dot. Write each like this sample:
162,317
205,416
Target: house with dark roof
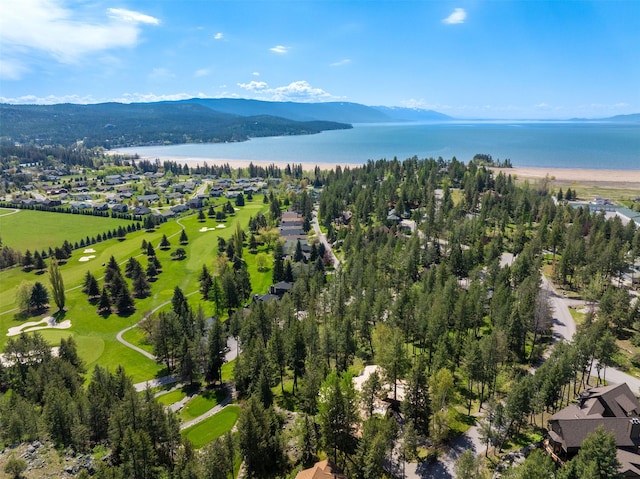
279,289
615,409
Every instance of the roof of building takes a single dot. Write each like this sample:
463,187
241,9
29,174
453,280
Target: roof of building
613,407
321,470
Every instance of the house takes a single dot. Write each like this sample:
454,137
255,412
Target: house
179,208
615,409
321,470
120,208
101,207
279,289
149,198
265,298
141,211
195,203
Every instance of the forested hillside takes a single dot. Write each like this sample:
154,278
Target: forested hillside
113,125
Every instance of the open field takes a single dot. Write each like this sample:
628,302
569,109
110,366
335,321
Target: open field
38,230
95,335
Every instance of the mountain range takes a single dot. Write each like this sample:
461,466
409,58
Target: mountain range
197,120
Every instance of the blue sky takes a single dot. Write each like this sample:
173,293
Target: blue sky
469,59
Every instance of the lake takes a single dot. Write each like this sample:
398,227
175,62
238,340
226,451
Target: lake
541,144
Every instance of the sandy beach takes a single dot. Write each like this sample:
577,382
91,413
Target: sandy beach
627,179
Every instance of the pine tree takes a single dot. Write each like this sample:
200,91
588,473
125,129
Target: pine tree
140,286
183,238
298,256
205,282
164,243
27,260
215,352
104,306
124,302
38,262
39,296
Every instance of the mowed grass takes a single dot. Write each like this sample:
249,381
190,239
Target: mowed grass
201,403
172,397
37,230
95,335
212,428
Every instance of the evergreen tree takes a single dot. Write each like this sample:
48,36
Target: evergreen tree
215,352
337,414
27,260
206,281
183,238
124,302
278,262
140,286
164,243
298,256
112,270
597,458
104,306
38,262
39,296
259,440
416,405
151,271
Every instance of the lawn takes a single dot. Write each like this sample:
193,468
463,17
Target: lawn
172,397
211,428
200,404
38,230
95,335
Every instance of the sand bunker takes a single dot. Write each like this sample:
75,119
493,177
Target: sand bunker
222,226
204,228
47,323
84,259
89,250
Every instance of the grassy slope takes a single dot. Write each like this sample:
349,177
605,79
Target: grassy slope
215,426
96,336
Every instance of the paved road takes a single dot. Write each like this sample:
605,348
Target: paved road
321,236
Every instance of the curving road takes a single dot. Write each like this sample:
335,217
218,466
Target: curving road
323,239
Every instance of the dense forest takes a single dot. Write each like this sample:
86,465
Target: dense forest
112,125
423,291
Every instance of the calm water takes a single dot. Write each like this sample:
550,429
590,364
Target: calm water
548,144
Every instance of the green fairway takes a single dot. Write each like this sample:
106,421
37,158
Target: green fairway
211,428
201,403
95,335
172,397
38,230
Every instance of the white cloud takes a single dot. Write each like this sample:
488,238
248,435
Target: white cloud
218,36
279,49
36,27
300,91
256,74
341,63
253,85
457,16
131,16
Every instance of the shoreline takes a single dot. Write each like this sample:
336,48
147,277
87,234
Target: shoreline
576,176
561,176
